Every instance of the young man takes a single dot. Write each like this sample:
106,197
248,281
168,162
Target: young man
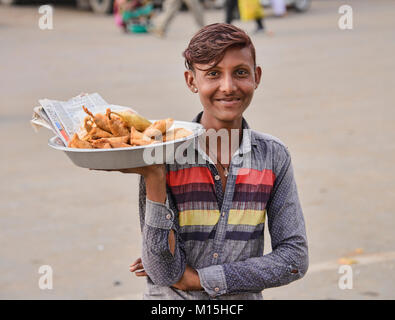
202,222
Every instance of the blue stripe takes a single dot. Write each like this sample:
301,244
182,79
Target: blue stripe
243,236
197,235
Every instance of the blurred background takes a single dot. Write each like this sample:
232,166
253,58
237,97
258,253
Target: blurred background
326,92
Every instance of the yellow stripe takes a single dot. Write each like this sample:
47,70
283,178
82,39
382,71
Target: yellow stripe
198,217
249,217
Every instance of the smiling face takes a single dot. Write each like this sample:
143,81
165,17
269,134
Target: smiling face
226,89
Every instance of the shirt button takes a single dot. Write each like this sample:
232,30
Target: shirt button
215,255
217,177
216,289
168,216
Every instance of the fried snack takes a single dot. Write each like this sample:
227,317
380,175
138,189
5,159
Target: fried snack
141,142
97,133
101,144
158,127
133,120
176,133
134,134
117,126
75,142
99,119
113,142
116,144
88,123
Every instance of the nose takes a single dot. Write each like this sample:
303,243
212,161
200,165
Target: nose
227,84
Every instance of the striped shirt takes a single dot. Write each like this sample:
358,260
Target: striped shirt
221,234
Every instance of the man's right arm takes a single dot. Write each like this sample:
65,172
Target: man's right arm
163,255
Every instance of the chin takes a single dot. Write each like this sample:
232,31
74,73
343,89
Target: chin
229,115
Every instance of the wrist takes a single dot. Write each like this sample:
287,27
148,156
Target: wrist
155,182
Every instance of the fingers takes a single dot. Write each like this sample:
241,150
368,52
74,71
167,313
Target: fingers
136,262
138,268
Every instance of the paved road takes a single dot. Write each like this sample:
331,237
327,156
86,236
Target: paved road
327,93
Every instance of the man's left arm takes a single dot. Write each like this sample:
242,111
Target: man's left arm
289,259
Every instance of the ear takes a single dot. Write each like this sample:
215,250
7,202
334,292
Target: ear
258,74
190,80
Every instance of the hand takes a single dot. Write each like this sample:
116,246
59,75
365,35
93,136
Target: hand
146,172
155,180
138,268
189,281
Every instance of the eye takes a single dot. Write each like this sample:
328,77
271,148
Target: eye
242,72
212,73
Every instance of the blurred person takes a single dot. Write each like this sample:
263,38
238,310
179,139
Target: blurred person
202,223
170,9
230,9
279,8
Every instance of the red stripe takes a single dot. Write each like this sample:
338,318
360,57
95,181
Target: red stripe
189,175
255,177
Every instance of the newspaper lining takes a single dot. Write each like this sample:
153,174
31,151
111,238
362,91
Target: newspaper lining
65,118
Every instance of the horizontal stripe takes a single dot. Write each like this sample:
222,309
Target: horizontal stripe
197,235
189,175
253,176
251,196
196,196
243,236
198,206
191,187
249,217
244,187
230,235
198,217
253,205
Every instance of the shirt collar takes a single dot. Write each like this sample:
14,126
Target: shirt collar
246,142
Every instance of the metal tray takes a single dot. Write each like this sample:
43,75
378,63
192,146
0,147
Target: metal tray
133,157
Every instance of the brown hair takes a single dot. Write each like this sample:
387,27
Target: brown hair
210,43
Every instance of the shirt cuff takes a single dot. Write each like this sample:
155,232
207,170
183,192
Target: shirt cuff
213,280
159,215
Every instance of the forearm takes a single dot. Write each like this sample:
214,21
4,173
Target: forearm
163,259
163,266
155,184
254,274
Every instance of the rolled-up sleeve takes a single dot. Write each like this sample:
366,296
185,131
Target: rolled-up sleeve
157,219
213,280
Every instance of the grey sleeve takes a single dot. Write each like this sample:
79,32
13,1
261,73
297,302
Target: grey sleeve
156,221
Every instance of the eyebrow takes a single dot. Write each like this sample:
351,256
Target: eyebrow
235,67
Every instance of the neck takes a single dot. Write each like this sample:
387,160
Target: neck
221,148
216,124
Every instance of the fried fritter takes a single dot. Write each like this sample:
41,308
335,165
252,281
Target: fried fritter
97,133
88,123
176,133
134,134
114,142
99,119
133,119
117,126
158,128
76,142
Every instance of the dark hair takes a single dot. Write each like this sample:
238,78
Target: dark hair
210,43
